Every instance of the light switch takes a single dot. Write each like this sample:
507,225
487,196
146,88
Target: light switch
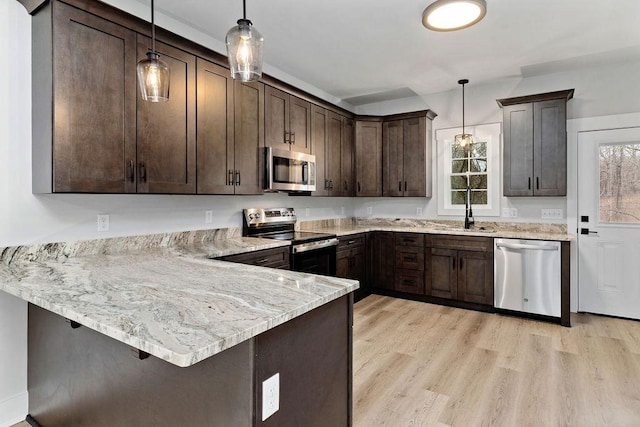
270,396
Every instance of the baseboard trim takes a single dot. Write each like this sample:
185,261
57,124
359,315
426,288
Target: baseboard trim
14,409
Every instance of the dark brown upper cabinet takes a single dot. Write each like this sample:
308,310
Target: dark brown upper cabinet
406,142
369,158
167,130
287,121
84,103
319,121
338,154
230,132
535,144
347,159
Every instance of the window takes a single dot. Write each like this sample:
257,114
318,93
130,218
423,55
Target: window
620,184
477,165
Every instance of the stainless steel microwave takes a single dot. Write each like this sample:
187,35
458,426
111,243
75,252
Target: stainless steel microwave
289,170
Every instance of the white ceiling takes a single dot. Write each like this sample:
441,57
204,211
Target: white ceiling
359,48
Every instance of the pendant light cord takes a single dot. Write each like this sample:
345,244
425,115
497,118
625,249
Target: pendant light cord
153,30
462,108
244,9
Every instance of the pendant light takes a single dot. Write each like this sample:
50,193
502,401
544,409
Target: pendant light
244,49
464,139
452,15
153,73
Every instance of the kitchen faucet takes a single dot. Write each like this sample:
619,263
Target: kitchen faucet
468,212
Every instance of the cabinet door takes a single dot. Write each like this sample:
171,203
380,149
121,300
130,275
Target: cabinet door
368,159
334,147
167,130
383,260
94,85
276,111
475,278
392,153
550,148
214,129
318,147
442,273
518,150
249,136
346,159
300,125
414,144
343,264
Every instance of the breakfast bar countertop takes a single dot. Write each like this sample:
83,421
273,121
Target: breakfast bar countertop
171,302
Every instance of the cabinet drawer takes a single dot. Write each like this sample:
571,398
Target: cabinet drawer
347,242
409,239
465,243
410,257
410,281
274,258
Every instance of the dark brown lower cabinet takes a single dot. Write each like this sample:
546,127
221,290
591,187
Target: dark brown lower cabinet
383,260
351,261
273,258
80,377
460,268
409,277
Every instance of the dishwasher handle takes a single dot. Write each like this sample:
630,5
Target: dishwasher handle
524,246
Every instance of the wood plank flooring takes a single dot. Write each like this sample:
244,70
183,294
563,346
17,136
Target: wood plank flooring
418,364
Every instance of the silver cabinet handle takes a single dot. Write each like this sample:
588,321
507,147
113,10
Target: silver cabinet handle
523,246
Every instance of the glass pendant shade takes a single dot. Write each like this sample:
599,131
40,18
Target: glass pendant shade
153,77
244,50
464,140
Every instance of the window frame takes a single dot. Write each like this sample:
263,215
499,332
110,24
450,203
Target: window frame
492,134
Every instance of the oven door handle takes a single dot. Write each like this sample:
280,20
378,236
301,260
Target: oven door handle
311,246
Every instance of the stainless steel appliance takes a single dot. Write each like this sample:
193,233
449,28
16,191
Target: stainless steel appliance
310,252
289,170
527,276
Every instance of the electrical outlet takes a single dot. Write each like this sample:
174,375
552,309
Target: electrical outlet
551,213
103,222
419,211
270,396
342,210
208,217
509,212
369,210
307,211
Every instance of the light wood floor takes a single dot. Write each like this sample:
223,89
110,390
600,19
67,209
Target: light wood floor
418,364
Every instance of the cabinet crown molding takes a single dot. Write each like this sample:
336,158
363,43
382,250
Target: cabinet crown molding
560,94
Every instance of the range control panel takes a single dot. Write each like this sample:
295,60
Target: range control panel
258,217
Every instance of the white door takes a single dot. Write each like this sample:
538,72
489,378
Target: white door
609,212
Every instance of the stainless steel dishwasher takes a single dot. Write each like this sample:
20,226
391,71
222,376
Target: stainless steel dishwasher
527,276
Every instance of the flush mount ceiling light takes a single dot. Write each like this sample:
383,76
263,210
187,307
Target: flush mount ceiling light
244,49
153,73
464,139
451,15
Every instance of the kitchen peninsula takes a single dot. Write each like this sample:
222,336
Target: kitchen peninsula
149,331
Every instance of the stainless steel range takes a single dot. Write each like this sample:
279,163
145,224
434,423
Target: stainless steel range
310,252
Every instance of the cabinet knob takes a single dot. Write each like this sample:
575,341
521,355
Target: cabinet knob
230,177
237,177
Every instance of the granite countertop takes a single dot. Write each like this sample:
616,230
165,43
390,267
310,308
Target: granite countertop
510,231
171,302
